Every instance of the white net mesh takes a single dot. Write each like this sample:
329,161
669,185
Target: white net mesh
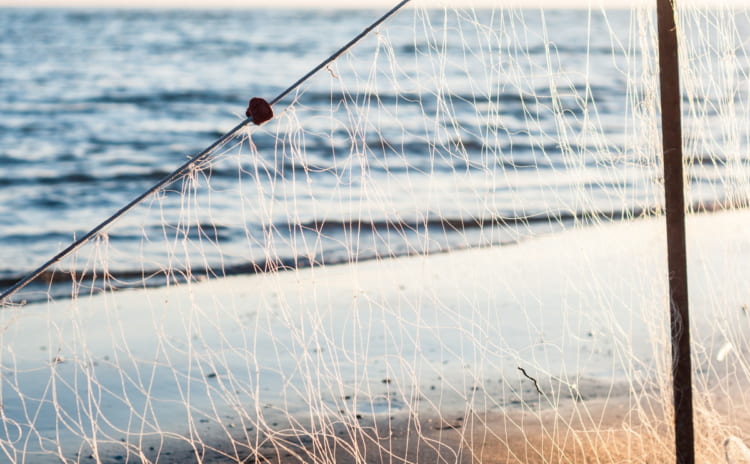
447,248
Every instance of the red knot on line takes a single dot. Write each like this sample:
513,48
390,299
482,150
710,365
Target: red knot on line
259,110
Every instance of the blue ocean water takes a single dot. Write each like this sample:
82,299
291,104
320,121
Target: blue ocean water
97,105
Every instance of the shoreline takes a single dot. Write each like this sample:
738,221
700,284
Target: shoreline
56,283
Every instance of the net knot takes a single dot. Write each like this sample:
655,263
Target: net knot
259,110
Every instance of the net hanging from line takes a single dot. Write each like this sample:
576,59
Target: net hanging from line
448,247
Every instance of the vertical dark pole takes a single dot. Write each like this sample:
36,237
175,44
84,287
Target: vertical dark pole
676,249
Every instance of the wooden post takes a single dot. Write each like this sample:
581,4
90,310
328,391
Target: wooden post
676,248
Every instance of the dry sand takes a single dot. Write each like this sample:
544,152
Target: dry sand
598,431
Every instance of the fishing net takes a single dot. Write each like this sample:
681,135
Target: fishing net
447,246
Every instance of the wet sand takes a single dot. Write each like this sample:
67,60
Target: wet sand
406,360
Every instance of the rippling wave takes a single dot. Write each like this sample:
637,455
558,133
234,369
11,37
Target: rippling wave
99,105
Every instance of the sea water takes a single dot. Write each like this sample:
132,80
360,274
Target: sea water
96,105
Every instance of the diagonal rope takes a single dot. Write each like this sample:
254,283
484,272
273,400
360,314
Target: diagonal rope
180,171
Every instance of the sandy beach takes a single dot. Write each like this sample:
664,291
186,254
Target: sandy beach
443,247
398,360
